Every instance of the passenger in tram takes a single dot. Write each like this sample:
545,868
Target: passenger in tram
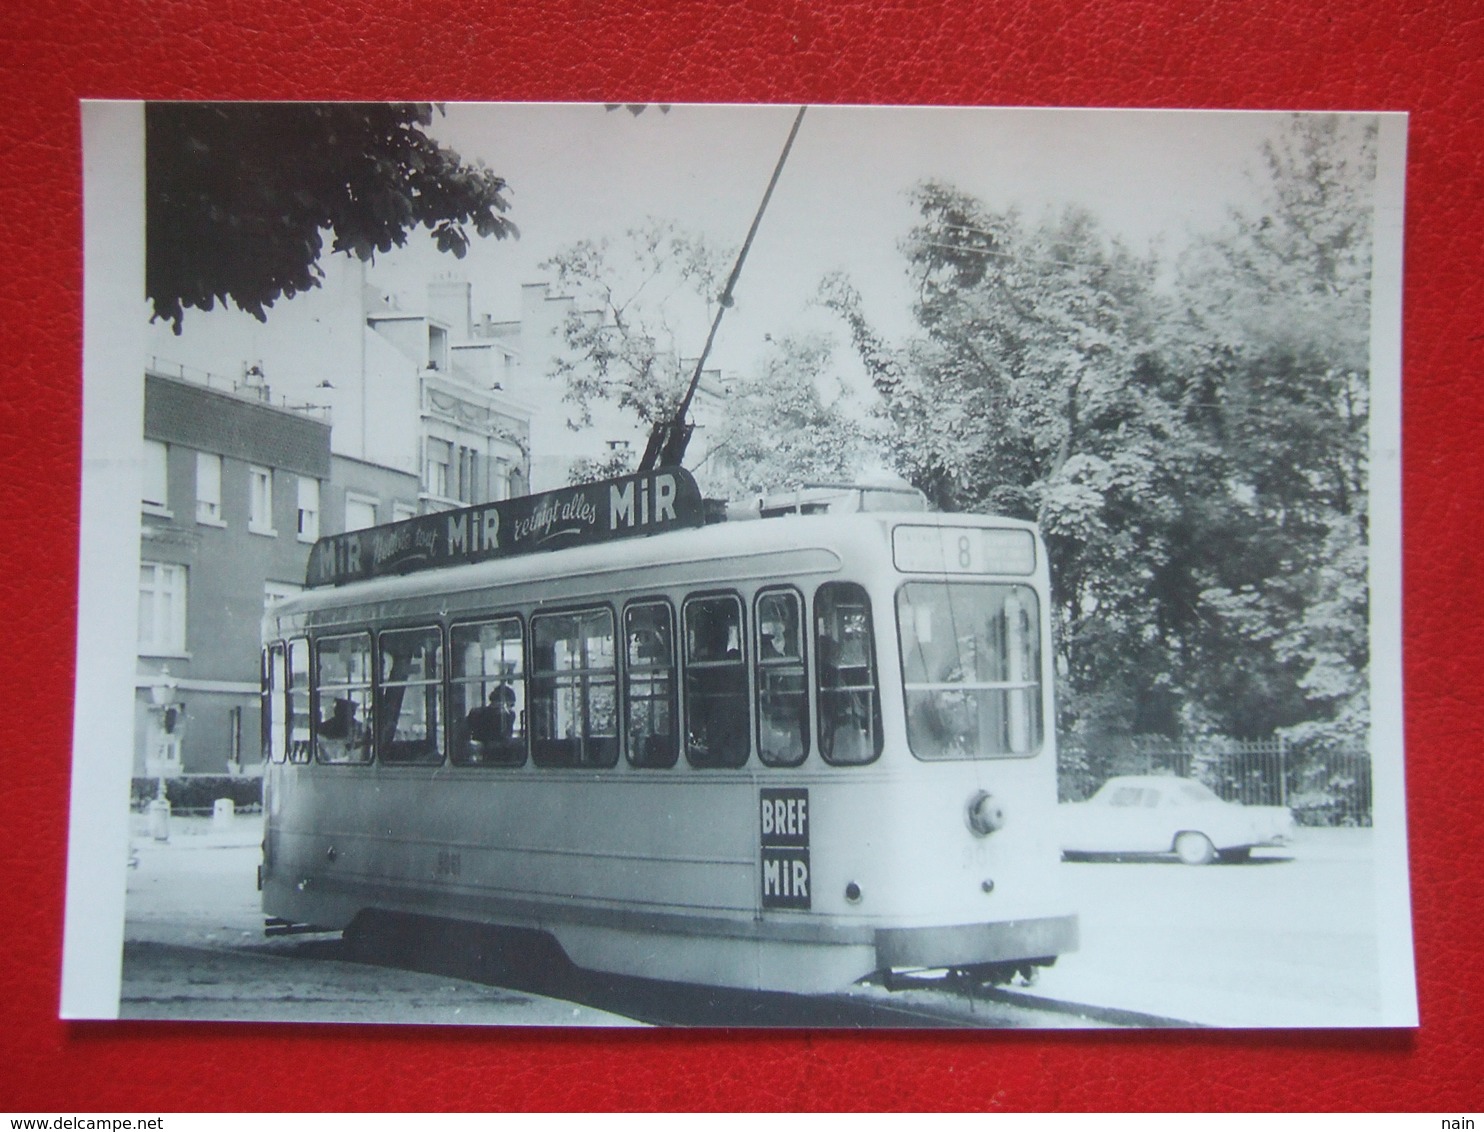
342,721
494,722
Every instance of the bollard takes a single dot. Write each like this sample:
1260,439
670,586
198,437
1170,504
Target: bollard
221,815
159,819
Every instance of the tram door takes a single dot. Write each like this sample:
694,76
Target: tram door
782,684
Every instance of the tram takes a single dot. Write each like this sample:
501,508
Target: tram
780,752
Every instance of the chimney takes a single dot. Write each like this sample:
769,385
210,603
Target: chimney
450,302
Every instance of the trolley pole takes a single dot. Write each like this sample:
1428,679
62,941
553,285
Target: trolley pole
668,438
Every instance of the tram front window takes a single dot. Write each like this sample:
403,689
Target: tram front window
716,718
971,664
574,689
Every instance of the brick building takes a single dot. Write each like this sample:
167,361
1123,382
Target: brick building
233,498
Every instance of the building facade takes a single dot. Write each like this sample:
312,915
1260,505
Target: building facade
234,496
401,382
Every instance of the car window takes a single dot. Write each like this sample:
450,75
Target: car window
1126,796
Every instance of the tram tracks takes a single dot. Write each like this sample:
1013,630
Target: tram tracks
530,962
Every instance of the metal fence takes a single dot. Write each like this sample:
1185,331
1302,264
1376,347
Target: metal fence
1331,787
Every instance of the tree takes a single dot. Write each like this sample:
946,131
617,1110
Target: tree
1276,318
1029,391
1194,451
239,196
637,303
778,431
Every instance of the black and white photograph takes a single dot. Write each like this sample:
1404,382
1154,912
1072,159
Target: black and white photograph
740,566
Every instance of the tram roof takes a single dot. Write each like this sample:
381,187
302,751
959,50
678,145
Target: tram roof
737,547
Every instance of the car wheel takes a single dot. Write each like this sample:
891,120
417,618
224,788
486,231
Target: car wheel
1195,849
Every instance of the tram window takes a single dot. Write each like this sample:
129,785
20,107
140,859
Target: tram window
298,715
716,718
782,683
409,717
342,699
275,696
849,699
574,689
488,690
649,685
971,664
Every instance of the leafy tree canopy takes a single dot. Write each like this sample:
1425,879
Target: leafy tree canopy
239,195
640,301
786,425
1192,439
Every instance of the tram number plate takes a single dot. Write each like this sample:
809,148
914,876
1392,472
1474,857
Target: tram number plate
784,829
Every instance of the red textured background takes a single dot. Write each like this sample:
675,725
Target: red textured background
1423,57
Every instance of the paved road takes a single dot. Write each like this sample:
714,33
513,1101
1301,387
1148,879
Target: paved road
1288,939
1285,940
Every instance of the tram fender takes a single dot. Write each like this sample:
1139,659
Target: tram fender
962,945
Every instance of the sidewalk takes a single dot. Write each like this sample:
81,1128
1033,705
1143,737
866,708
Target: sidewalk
241,831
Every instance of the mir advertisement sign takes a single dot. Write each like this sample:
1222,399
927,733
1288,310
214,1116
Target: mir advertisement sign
628,507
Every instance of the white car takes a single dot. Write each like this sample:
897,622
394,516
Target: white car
1162,814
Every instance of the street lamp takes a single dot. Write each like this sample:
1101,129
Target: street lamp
162,695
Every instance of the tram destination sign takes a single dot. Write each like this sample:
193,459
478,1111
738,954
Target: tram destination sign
628,507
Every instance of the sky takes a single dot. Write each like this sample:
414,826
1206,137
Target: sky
579,171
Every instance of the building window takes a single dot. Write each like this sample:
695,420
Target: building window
162,608
155,489
208,488
260,501
401,511
437,348
360,512
467,487
440,465
308,509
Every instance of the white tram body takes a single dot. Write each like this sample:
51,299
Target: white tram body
781,754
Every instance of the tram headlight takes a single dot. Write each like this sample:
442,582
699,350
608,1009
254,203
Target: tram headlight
985,814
